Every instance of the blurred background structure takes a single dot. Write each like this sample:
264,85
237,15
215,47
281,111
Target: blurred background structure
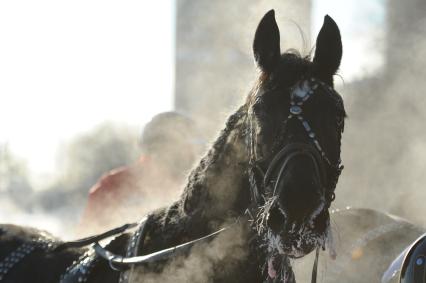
195,56
214,65
384,146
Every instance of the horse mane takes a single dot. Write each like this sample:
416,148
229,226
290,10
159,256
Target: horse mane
198,192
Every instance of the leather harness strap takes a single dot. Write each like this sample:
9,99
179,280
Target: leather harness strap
96,238
120,262
80,270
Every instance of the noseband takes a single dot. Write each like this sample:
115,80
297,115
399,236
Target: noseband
289,152
299,95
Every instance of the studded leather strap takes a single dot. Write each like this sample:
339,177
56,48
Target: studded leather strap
15,257
80,269
133,246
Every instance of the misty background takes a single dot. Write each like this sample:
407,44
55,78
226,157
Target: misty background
79,80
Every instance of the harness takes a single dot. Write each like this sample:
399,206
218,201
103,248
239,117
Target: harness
43,242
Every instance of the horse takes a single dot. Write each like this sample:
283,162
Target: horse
268,180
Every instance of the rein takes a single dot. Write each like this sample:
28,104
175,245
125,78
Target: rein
290,151
79,271
118,262
92,239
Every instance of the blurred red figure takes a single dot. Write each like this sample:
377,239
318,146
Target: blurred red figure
169,143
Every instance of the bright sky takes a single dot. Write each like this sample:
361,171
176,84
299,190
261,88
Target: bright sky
66,66
362,25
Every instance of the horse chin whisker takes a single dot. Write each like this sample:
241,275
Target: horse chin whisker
262,215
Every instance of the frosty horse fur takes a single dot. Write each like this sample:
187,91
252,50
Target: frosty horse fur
219,189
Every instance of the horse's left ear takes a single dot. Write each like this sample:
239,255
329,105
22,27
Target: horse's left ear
328,53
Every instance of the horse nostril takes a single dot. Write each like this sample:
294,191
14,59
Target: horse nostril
275,220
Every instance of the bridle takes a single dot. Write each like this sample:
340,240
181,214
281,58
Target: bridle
260,179
299,96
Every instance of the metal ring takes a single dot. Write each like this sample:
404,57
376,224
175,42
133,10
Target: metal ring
111,264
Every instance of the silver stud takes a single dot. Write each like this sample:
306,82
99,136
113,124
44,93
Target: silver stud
295,110
306,126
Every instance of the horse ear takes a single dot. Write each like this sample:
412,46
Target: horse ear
328,53
266,44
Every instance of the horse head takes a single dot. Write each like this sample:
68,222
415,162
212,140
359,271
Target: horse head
295,121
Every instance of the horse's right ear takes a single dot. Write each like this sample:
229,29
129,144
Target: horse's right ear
328,53
266,44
